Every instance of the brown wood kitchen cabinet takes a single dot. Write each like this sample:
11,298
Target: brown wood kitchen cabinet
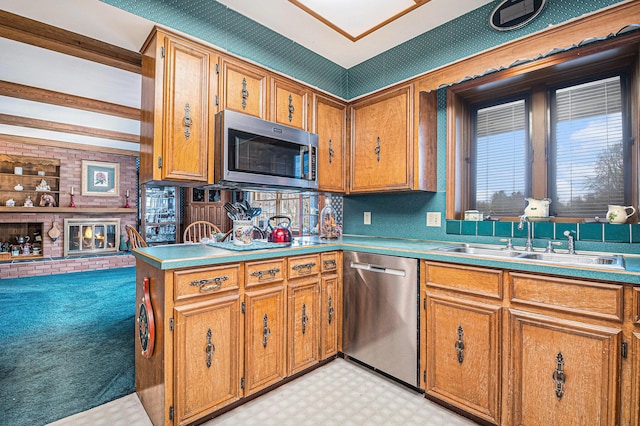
303,291
178,108
330,304
208,348
265,324
189,372
244,87
330,123
289,103
381,142
463,337
564,351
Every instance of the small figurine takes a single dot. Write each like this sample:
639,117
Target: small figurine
47,200
10,202
28,202
18,187
43,186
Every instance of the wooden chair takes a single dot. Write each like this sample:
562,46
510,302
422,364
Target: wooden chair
135,239
198,230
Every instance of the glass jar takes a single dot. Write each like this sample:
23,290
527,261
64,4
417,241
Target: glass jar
328,228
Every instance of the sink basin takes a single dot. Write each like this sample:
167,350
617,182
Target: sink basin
593,260
481,250
609,261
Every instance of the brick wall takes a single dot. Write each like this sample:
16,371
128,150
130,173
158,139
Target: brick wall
70,175
60,266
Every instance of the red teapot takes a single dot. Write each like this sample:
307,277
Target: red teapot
279,231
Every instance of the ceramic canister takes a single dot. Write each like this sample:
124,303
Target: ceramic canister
242,230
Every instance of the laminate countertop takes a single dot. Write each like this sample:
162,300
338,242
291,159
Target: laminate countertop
181,256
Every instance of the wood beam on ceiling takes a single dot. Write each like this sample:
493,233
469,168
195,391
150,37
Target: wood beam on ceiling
34,123
4,137
29,31
51,97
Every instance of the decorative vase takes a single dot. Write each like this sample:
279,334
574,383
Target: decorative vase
123,244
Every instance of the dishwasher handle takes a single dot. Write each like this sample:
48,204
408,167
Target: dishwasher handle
378,269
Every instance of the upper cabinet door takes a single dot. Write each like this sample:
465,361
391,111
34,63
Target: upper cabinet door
178,90
381,150
289,103
187,136
330,123
244,88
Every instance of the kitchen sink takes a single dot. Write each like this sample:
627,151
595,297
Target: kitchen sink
481,250
607,261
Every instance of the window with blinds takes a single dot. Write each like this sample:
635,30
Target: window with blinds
499,162
587,161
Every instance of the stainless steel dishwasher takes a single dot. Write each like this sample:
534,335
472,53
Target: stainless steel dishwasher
380,313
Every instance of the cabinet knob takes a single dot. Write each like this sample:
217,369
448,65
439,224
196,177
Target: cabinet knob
188,122
377,149
210,348
558,376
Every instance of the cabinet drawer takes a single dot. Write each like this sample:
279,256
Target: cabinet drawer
476,281
329,261
303,266
258,273
573,296
206,281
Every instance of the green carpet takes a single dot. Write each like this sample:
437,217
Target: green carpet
66,344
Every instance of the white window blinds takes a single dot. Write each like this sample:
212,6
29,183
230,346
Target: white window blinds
500,167
587,162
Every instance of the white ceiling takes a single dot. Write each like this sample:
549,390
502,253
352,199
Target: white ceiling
294,23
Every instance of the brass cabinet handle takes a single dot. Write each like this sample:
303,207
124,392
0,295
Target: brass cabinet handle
459,345
330,264
291,108
331,152
210,349
558,376
245,93
203,284
330,309
377,149
266,274
266,331
188,122
305,268
305,318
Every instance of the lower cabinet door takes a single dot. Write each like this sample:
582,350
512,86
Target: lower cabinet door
207,353
304,319
463,350
264,338
330,314
563,372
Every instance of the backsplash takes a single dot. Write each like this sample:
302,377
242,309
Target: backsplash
591,232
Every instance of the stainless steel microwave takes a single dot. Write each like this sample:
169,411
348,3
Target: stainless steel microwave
251,152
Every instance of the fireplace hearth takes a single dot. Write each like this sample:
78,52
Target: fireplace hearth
91,236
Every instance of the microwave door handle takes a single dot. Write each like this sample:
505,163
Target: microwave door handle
304,149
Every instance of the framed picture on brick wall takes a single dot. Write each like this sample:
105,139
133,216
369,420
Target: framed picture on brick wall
100,178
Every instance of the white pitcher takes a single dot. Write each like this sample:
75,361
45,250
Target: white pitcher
537,207
618,214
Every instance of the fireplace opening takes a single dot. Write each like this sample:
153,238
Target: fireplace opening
91,236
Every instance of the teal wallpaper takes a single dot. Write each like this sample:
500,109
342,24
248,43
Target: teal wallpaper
462,37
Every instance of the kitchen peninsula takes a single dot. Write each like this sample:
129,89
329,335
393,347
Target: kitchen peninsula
278,314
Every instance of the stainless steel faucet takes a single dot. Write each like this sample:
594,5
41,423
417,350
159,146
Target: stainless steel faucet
570,242
528,246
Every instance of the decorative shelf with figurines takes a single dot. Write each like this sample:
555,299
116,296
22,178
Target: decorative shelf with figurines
29,181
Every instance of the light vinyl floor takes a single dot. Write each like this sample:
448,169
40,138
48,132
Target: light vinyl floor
339,393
